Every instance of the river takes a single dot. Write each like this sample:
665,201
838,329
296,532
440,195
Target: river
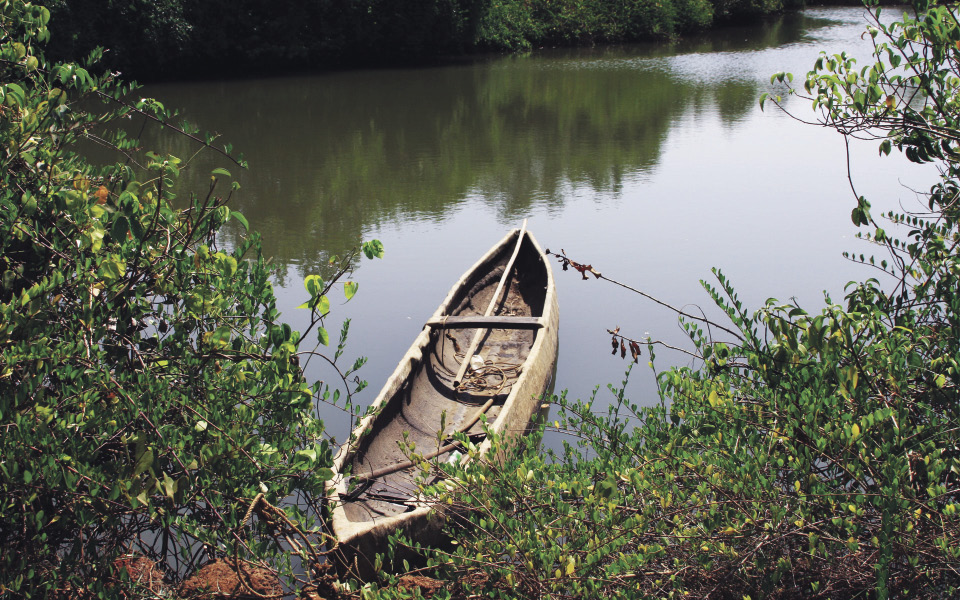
651,162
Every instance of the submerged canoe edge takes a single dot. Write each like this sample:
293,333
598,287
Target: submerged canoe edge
360,539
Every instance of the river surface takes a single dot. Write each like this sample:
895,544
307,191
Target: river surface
653,163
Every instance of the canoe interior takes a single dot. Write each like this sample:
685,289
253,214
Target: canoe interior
427,398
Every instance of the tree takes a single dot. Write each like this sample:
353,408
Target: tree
150,37
151,402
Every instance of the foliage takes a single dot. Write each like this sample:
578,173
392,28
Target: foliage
519,24
811,454
514,24
138,32
736,10
176,38
151,402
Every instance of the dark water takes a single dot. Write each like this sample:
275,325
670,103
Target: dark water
653,163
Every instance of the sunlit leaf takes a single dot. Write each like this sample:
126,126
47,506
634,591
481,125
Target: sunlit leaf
313,285
241,219
373,249
349,289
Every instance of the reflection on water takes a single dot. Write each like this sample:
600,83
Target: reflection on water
336,154
653,162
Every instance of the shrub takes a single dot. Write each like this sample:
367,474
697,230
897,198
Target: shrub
745,10
179,38
151,402
694,15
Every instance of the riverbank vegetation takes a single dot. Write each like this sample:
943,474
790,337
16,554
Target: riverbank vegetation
152,404
180,38
809,454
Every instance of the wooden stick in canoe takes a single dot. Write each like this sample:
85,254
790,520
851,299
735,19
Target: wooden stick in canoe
475,342
390,469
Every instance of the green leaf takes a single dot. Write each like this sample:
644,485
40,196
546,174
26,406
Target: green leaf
221,336
14,92
309,455
144,462
119,229
605,488
323,305
93,238
228,266
136,228
313,285
349,289
169,487
112,268
323,337
242,219
373,249
221,172
856,215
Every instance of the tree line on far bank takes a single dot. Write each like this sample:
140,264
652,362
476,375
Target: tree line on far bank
151,39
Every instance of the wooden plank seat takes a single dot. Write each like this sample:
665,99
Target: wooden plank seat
481,322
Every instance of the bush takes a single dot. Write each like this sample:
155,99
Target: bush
516,24
181,38
151,402
745,10
694,15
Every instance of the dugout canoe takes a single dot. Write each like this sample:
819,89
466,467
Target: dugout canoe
514,336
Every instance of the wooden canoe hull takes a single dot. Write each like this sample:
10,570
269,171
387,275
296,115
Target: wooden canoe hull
418,388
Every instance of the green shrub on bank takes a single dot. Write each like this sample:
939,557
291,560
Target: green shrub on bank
151,402
813,455
179,38
136,33
730,10
516,24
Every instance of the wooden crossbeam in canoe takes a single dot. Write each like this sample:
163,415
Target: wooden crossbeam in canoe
482,322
